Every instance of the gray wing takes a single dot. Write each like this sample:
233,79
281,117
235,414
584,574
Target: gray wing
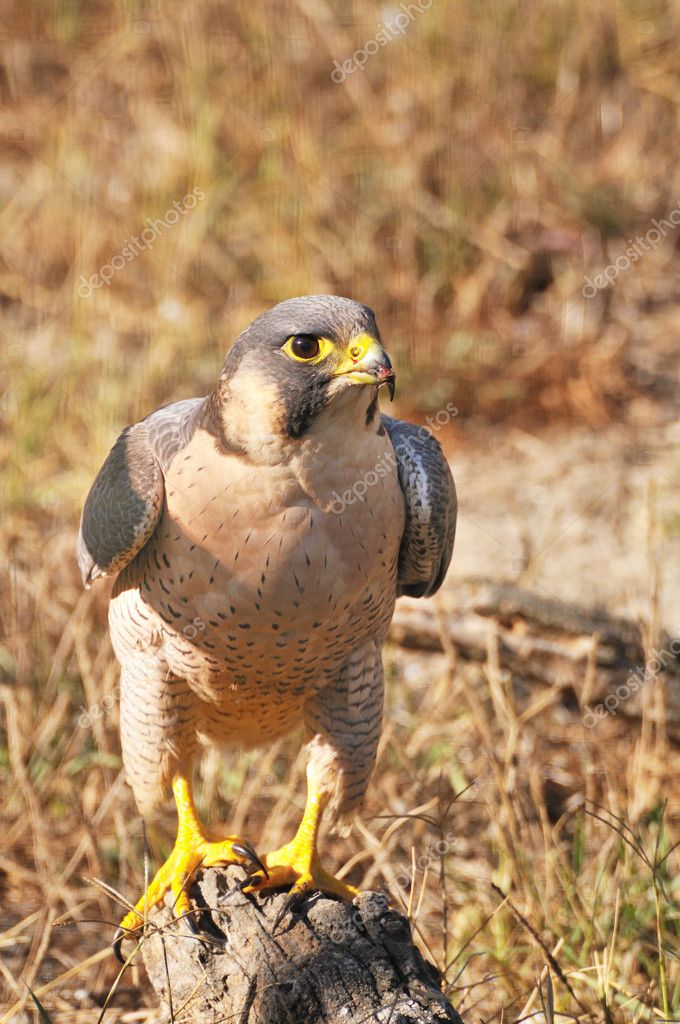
431,508
126,499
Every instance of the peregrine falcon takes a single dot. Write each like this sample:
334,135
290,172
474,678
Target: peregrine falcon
260,537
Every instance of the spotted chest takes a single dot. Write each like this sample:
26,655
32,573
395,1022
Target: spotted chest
254,593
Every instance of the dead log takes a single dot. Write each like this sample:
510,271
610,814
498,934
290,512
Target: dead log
260,960
545,641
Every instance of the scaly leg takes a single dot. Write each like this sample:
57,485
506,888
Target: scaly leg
191,850
297,863
343,721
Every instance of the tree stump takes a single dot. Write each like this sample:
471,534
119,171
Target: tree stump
262,960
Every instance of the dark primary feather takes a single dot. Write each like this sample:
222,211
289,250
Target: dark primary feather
126,498
431,508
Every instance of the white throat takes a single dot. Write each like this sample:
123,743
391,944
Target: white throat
339,444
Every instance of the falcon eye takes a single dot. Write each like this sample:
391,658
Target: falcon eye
305,346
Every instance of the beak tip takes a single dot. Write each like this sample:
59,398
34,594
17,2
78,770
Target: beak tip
387,378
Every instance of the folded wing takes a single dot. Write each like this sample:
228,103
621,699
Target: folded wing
431,508
126,499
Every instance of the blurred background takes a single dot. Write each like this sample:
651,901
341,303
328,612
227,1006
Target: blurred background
499,181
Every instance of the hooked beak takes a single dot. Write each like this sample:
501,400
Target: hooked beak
367,362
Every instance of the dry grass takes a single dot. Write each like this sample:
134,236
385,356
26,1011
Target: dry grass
581,881
463,184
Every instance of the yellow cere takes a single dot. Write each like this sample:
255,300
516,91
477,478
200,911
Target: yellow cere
360,349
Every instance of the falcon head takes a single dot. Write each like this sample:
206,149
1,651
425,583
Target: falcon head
304,357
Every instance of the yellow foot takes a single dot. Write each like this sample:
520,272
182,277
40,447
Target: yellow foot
297,864
189,853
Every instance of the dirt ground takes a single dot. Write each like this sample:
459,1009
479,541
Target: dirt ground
569,514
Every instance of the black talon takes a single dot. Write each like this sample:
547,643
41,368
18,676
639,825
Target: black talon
290,901
247,851
249,880
117,943
191,919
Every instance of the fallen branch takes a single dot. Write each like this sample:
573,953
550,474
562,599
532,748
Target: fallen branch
542,640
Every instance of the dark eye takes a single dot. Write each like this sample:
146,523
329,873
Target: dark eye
305,346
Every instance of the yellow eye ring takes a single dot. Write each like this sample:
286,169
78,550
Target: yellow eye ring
307,348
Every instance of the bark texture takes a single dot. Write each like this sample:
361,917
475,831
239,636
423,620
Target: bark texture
320,962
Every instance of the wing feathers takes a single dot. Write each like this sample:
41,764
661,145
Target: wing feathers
122,508
431,508
126,498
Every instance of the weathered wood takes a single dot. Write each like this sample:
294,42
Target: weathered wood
322,962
